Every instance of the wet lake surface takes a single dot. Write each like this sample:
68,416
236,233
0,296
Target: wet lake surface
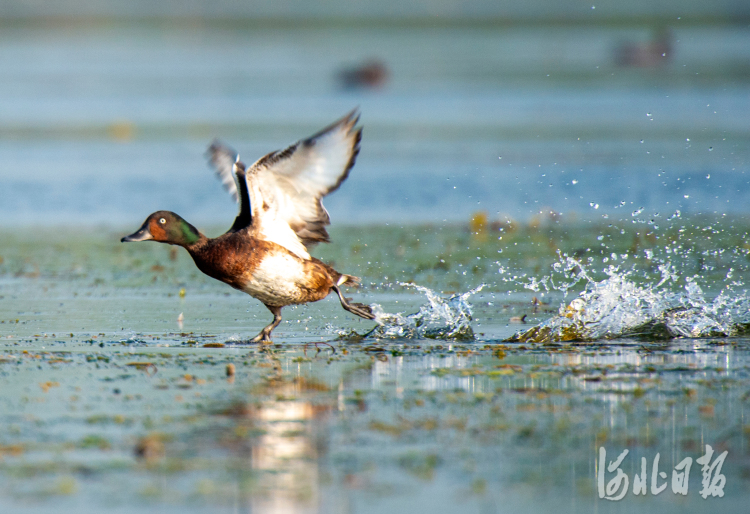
112,402
555,244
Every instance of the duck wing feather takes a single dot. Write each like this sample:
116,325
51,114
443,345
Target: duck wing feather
286,187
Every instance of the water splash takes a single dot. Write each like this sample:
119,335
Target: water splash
440,318
618,307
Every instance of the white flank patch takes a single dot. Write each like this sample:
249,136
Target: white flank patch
275,281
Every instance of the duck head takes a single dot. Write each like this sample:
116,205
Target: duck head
165,227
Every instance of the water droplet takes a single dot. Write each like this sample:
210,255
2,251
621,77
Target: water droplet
641,141
574,182
648,114
710,148
686,196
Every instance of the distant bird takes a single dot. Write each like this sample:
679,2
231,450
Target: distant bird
371,74
652,54
264,253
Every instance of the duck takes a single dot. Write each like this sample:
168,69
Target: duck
265,253
372,74
652,54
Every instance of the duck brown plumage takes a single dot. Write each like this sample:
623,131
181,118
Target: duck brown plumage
264,253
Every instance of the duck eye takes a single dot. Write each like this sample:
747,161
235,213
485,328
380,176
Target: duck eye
162,221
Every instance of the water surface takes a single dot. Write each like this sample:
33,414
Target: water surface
556,246
116,393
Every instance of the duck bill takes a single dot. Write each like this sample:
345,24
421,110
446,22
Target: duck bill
143,234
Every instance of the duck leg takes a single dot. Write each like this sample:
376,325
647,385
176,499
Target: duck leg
265,334
360,309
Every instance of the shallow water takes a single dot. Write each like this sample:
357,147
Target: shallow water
110,402
556,247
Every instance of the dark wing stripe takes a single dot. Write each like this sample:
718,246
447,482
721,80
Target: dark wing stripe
272,158
244,218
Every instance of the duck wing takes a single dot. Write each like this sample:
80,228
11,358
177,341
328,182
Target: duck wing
286,187
231,172
222,158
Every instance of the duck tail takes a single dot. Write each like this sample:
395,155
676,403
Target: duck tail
348,280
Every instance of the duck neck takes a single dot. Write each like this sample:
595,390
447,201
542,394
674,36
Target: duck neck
190,237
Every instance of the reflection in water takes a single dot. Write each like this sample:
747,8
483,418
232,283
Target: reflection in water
443,427
285,439
286,457
526,419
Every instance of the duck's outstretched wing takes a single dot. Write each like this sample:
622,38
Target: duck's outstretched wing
286,187
289,185
222,159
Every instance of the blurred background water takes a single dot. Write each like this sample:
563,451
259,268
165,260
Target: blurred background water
123,384
514,109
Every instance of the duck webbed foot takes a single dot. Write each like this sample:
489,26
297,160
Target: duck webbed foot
360,309
265,335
